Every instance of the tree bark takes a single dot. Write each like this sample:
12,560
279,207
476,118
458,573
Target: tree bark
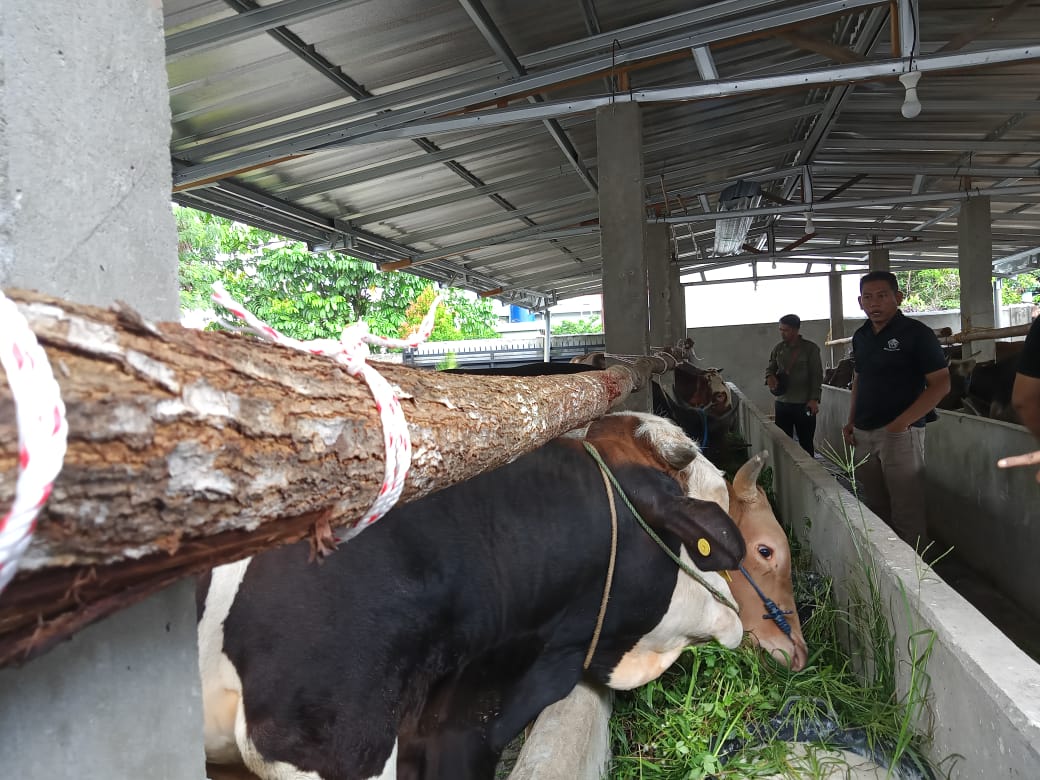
188,449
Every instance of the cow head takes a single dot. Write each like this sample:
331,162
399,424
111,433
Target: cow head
675,489
703,388
696,512
768,561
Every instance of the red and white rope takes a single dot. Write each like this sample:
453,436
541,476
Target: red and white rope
42,433
352,350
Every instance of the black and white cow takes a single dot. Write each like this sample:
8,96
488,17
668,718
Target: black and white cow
423,646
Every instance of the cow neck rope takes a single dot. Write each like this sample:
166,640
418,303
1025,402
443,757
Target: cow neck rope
610,567
689,570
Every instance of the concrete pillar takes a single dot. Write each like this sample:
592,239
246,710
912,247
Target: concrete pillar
837,316
999,320
676,305
879,259
622,219
975,258
85,215
547,344
657,250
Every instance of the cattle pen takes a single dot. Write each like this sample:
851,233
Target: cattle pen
982,715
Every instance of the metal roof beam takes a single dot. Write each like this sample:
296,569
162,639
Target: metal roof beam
500,217
833,253
532,233
897,265
352,132
1028,146
250,23
421,203
1016,263
491,34
914,169
404,164
837,205
701,91
889,104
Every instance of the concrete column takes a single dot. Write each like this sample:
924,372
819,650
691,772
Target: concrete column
547,345
622,219
676,305
975,258
879,259
999,320
837,316
657,250
85,215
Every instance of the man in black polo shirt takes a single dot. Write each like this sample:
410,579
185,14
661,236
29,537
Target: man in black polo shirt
1025,396
900,375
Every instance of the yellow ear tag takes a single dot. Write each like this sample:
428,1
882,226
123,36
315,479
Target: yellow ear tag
726,576
703,547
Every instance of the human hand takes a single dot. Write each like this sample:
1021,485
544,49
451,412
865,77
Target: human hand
814,407
771,382
1020,460
846,433
897,427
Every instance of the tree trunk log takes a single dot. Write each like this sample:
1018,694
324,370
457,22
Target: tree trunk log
188,449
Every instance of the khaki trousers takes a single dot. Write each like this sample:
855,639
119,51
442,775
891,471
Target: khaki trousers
891,480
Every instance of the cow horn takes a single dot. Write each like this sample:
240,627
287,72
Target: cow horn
746,479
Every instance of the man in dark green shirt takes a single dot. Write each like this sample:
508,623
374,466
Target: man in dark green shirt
796,363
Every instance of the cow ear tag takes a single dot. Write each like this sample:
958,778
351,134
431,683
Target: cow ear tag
703,547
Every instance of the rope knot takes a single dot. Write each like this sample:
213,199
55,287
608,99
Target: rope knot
351,351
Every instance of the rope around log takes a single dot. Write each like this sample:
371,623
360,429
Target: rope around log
42,433
352,350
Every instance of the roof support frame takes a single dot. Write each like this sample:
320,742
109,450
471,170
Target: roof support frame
351,132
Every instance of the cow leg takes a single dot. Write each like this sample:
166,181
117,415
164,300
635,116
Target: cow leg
551,677
450,739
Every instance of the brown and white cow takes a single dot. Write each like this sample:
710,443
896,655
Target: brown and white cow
768,560
423,646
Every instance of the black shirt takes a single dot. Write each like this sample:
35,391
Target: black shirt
890,369
1029,361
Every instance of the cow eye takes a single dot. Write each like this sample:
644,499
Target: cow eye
765,551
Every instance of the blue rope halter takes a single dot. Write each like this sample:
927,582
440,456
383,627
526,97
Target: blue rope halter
773,612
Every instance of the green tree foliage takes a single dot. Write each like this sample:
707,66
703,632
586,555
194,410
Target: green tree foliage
309,295
1013,287
571,327
937,289
932,289
457,317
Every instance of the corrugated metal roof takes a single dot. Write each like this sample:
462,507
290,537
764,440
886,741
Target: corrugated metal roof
351,124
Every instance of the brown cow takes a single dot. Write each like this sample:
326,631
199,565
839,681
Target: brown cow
768,561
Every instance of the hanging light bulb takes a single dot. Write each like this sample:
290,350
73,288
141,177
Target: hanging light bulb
911,105
809,227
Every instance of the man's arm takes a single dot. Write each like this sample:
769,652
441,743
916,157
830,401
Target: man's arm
815,373
1025,397
937,385
772,367
846,432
